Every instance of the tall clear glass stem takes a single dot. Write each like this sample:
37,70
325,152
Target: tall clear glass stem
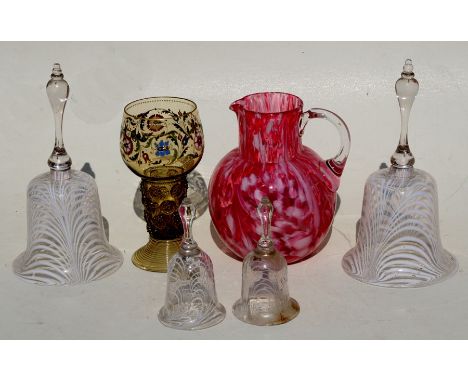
58,91
58,116
405,112
406,89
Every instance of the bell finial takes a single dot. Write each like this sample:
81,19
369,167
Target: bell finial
406,89
408,67
56,71
57,91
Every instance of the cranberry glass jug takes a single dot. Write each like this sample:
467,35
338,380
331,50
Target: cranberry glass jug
272,162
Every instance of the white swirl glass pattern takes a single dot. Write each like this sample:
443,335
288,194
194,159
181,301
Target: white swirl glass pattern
398,240
191,301
66,238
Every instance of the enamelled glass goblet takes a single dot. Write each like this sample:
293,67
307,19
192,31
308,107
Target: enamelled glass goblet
161,141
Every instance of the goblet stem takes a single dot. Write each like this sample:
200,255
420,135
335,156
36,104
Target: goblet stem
161,199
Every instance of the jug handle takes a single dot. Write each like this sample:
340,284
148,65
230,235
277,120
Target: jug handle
337,163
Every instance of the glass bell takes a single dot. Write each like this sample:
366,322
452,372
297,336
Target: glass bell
398,239
265,297
191,301
66,238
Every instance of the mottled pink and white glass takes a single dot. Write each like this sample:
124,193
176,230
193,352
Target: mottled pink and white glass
271,161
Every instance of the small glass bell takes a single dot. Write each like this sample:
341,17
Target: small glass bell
398,239
66,238
265,297
191,301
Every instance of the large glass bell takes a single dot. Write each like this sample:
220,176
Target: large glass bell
66,238
398,238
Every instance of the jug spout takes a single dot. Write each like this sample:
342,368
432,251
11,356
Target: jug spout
268,126
236,106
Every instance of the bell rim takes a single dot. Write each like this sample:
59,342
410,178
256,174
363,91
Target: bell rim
215,321
112,251
445,276
293,304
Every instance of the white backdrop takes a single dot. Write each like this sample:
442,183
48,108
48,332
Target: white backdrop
356,80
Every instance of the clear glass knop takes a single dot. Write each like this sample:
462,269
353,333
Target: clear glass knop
265,296
191,300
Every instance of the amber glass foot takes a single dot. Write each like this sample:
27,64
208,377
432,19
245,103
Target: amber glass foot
155,255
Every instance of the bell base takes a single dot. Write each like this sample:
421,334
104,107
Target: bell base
33,269
216,316
155,255
242,312
402,276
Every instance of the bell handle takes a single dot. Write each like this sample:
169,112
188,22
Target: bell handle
337,163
